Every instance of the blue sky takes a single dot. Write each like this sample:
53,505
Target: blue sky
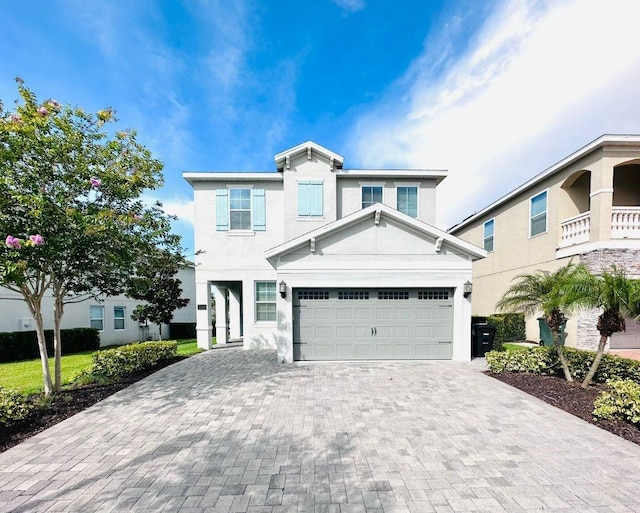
494,91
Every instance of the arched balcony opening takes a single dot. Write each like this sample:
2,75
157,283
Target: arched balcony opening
575,209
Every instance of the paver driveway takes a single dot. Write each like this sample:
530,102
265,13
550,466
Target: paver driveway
234,431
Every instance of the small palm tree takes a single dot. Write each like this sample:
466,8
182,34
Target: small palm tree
548,292
617,295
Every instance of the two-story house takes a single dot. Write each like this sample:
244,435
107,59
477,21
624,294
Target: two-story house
326,263
585,208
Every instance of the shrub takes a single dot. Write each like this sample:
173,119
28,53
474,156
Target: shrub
537,360
13,407
621,400
611,367
509,327
23,345
117,362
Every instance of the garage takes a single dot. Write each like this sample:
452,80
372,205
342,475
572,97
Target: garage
628,339
372,324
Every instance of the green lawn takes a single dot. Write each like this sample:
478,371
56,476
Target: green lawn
514,347
26,376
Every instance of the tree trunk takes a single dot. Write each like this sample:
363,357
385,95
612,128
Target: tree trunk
44,357
560,350
160,331
596,362
58,312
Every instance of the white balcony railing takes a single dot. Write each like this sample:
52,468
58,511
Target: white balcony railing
625,224
575,230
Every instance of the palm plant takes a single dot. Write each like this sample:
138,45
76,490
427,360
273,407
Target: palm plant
618,296
549,292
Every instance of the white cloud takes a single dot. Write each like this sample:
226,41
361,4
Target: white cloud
350,5
540,80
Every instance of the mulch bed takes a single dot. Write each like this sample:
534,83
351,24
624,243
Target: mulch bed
570,397
66,404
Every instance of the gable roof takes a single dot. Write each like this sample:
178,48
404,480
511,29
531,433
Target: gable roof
374,211
603,140
307,147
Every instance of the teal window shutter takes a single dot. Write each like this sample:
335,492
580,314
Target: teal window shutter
222,210
309,198
259,210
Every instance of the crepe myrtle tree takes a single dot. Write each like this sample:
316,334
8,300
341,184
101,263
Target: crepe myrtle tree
549,292
155,282
71,215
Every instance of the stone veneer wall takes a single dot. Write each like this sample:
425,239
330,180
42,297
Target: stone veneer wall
597,261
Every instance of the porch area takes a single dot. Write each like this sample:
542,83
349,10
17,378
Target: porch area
625,224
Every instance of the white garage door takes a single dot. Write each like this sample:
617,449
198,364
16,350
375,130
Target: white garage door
372,324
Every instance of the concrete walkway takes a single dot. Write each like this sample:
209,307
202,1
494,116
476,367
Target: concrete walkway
233,431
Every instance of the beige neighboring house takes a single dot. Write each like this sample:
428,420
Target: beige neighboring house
586,208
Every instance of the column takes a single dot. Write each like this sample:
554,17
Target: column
601,199
203,315
234,314
220,294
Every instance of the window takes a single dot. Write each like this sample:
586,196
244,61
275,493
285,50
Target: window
310,198
240,209
393,294
371,195
408,200
265,301
118,318
433,294
96,317
538,218
487,238
312,295
353,294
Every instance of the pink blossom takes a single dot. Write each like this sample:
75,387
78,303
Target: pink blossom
12,242
15,118
37,239
95,182
53,103
42,111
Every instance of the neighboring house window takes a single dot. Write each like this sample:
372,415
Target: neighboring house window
118,317
538,218
488,236
408,200
265,301
96,317
310,198
371,195
240,209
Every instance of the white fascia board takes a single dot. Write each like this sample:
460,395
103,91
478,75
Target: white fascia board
301,148
622,140
437,174
193,177
474,251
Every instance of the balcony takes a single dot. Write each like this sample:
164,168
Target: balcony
625,224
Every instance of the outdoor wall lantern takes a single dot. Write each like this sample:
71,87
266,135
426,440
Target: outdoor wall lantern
467,289
283,289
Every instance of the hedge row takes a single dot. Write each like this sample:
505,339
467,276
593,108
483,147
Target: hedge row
117,362
510,327
544,360
23,345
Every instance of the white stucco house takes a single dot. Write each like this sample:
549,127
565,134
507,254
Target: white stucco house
110,315
326,263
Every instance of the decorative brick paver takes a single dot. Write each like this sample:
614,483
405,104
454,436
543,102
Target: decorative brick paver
233,431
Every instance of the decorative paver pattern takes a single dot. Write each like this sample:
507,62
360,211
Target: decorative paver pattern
234,431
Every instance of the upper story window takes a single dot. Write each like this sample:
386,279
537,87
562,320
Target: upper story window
407,200
310,198
119,317
96,317
240,209
487,237
371,194
538,214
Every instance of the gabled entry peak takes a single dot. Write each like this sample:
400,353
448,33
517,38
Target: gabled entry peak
283,159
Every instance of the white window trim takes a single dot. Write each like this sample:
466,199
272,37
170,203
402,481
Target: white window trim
124,318
546,213
96,318
417,186
362,185
255,302
484,236
240,230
